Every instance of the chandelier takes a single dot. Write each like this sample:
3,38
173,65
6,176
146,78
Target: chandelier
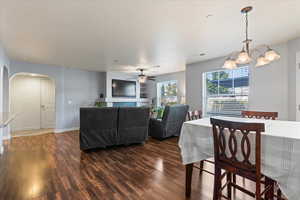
246,56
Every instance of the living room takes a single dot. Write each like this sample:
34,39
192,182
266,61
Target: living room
149,100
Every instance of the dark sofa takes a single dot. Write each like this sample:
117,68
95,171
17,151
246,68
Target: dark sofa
171,122
102,127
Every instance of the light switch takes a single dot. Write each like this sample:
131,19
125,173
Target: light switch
69,102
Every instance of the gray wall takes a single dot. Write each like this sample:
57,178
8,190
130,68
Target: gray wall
268,84
293,48
179,76
74,88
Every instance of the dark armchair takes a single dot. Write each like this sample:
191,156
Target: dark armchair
171,122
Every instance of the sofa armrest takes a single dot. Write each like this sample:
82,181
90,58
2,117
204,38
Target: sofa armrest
156,128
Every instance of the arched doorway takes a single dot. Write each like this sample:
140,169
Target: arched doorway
32,100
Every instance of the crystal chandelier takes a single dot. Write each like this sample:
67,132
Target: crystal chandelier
246,56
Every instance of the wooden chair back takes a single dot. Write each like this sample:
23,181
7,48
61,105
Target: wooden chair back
232,148
193,115
259,115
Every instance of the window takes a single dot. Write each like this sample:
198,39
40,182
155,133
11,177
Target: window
166,93
225,92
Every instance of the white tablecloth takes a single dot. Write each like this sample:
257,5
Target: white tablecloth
280,149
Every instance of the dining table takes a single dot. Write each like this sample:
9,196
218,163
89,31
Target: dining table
280,150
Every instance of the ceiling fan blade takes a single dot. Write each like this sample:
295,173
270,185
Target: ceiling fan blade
151,77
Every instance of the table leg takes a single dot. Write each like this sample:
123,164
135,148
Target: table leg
188,179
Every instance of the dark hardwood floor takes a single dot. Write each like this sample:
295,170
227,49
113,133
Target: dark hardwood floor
52,166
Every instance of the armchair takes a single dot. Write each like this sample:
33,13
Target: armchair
171,122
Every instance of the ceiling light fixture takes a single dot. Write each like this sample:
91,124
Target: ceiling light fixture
261,61
142,77
271,55
230,64
245,57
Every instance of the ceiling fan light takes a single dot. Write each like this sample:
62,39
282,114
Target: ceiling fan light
271,55
142,79
243,58
230,64
261,61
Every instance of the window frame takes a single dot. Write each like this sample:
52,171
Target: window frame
158,90
204,88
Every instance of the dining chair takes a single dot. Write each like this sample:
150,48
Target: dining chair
232,153
264,115
190,115
193,115
259,114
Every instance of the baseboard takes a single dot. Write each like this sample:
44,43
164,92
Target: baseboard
66,130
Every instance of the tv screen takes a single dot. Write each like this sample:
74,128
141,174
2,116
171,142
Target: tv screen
121,88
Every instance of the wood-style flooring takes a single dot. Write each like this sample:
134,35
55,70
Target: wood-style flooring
31,132
51,166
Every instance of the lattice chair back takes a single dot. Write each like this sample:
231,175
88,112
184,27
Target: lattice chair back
237,146
260,115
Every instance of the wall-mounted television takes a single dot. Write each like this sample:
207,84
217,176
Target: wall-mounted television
123,88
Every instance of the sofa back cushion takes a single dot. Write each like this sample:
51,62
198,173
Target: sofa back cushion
133,124
98,127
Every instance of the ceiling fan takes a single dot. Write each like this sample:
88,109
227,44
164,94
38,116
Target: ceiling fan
140,71
142,77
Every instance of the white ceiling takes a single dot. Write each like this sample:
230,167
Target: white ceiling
91,34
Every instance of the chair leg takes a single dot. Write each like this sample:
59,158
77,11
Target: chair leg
279,196
269,195
229,179
234,178
217,183
201,166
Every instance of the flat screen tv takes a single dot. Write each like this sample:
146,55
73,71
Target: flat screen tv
121,88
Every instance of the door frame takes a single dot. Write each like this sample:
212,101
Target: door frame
297,86
4,103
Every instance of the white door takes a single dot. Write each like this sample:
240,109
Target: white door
47,103
25,103
298,85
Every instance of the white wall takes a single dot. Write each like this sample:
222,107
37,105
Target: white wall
4,61
179,76
74,88
268,84
120,76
